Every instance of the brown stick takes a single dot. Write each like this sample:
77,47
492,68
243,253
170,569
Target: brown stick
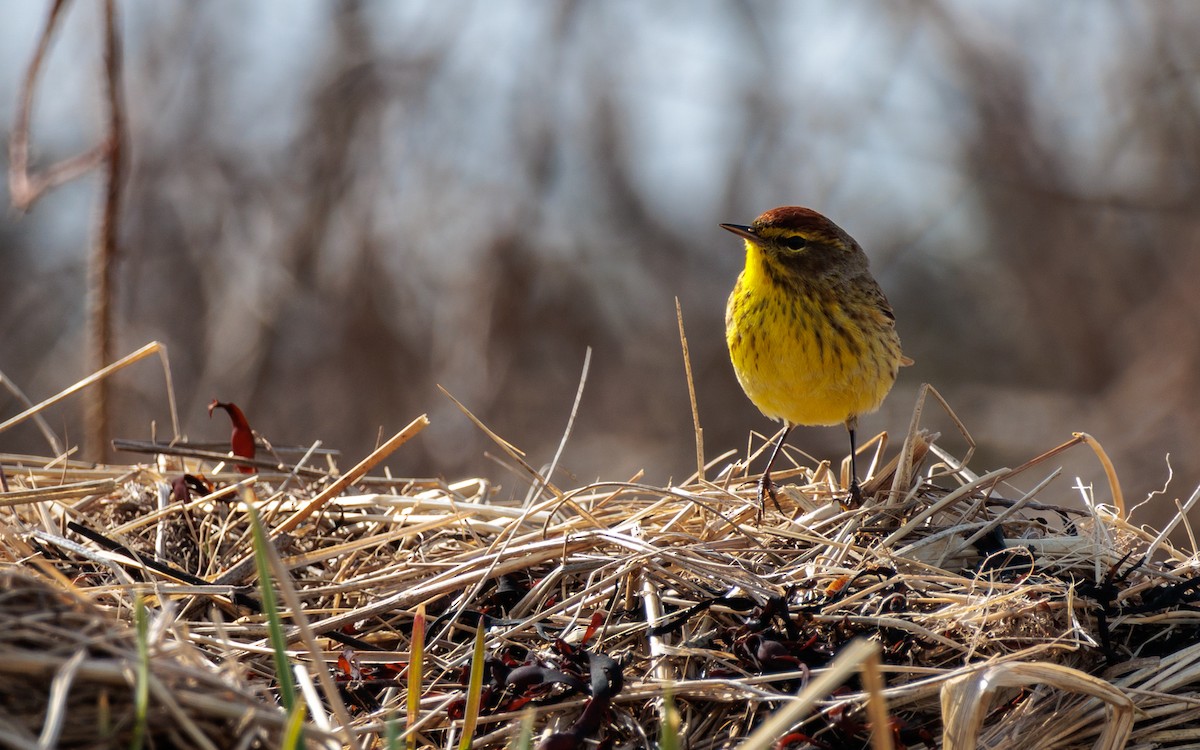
102,269
240,568
26,188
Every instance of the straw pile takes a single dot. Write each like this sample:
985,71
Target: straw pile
952,610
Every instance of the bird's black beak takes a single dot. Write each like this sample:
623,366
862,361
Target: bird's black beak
741,230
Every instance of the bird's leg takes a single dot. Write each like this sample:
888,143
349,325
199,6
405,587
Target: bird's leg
856,498
765,486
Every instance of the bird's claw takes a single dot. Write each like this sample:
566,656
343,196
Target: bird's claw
766,488
855,498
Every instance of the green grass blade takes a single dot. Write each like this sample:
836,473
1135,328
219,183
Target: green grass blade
293,733
525,736
474,691
416,658
669,736
391,734
270,607
141,695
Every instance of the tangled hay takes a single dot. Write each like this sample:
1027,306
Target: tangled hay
950,610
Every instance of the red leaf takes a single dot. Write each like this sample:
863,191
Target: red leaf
242,438
593,626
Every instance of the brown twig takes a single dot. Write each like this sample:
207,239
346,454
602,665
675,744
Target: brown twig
104,253
26,188
687,370
313,505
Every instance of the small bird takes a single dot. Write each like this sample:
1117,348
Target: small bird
811,336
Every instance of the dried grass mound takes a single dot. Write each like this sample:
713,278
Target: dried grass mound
950,610
68,673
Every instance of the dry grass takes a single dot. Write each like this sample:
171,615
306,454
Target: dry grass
954,608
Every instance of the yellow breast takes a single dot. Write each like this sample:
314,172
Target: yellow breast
808,356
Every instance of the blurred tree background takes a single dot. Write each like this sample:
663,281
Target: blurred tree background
330,207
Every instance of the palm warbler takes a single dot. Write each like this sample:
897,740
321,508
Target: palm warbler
810,334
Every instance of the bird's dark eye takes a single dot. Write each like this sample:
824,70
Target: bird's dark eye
795,242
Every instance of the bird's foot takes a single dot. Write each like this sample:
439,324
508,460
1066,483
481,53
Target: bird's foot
766,488
855,498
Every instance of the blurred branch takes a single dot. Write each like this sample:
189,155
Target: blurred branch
104,253
26,188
